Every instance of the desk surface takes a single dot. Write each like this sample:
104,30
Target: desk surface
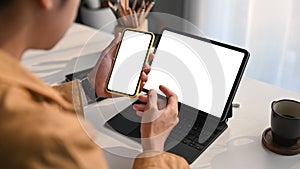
238,147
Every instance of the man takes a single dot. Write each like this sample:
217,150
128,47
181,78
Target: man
38,124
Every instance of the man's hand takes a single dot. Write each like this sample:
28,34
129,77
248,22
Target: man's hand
100,72
157,121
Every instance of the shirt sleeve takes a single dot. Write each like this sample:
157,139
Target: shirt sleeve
154,160
71,91
37,133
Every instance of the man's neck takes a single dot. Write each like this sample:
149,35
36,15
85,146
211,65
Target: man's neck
13,43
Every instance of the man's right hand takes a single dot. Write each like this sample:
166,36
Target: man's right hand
157,121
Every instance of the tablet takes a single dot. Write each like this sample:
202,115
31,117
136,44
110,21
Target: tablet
204,73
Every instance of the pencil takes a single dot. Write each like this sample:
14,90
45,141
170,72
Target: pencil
134,5
122,2
135,19
149,7
141,16
126,4
130,18
141,7
121,9
120,18
147,3
112,7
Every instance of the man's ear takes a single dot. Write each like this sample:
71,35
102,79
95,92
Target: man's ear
46,4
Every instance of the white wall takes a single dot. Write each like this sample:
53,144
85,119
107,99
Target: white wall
268,29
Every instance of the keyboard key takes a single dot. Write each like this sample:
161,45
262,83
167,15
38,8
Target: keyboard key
191,137
192,144
186,141
198,146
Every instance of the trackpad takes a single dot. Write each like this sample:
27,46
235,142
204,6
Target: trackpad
122,124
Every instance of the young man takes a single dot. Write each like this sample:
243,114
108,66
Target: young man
38,124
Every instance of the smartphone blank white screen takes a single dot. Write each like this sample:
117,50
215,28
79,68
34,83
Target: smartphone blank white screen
129,61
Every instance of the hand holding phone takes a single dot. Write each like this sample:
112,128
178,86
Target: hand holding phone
131,55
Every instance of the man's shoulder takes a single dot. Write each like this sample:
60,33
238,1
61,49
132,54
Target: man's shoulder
30,120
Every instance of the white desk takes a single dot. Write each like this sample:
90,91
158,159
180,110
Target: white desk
238,147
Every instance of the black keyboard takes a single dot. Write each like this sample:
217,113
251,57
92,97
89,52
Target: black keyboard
195,128
189,138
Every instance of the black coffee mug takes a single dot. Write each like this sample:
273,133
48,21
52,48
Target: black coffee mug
285,122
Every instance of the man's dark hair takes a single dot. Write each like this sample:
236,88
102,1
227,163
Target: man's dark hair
4,3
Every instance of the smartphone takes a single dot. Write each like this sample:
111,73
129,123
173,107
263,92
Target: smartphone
131,54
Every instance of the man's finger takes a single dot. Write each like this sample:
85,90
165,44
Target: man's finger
142,86
143,98
172,97
152,99
144,77
139,113
146,68
116,40
151,57
139,107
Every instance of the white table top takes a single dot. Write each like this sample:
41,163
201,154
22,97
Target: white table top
238,147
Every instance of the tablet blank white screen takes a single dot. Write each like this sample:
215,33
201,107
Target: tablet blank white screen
180,64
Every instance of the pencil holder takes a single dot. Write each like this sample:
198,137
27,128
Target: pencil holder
142,27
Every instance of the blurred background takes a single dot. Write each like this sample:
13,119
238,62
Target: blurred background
269,29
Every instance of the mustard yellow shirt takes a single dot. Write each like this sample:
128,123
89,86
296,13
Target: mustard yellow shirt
39,128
